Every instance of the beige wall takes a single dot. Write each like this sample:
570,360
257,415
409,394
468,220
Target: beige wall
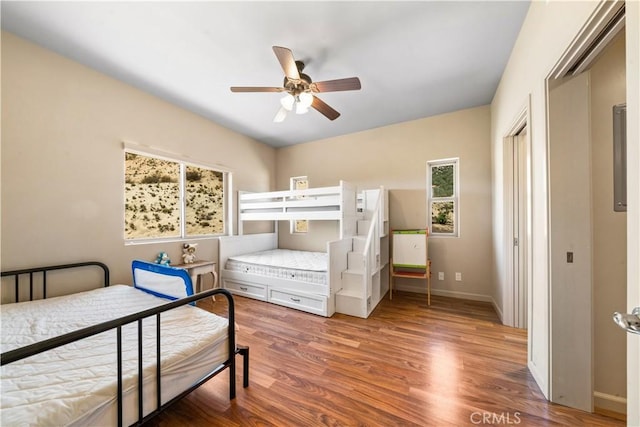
396,157
608,88
62,159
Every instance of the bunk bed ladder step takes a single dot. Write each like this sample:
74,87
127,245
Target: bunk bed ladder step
350,303
363,226
359,243
355,260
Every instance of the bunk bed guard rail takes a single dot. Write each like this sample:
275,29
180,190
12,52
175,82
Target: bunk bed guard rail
323,203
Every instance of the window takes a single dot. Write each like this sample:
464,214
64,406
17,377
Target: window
167,199
299,183
442,182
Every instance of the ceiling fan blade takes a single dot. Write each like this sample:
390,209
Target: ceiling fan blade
324,108
351,83
256,89
280,115
285,57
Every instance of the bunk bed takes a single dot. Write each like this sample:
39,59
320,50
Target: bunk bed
117,355
253,265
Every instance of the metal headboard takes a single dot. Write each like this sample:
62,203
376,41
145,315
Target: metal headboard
43,270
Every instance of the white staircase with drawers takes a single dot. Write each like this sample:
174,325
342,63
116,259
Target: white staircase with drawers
366,279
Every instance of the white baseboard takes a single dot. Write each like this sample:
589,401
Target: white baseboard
462,295
445,293
498,311
610,402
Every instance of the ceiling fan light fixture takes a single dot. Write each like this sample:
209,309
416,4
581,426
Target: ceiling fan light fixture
287,102
305,99
301,109
303,102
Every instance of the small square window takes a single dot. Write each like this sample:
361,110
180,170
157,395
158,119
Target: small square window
442,180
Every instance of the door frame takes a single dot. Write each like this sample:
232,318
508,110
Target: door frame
512,315
633,203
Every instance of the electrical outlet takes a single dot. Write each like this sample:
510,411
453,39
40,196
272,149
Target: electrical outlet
458,277
441,275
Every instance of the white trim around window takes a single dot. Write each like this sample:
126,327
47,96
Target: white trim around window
443,197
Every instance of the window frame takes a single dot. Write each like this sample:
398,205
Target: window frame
455,198
183,163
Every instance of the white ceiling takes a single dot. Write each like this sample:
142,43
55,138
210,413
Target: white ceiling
414,59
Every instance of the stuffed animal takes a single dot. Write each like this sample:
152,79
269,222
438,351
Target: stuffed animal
189,252
163,259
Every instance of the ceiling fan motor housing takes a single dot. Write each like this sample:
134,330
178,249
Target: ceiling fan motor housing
297,86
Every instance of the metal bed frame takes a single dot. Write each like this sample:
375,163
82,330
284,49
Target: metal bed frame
42,346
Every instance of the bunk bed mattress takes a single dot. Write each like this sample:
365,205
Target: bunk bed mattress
76,384
289,264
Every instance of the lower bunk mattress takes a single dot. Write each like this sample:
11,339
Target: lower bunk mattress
288,264
76,384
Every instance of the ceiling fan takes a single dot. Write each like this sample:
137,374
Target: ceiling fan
301,89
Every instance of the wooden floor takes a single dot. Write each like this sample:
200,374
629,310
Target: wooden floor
407,365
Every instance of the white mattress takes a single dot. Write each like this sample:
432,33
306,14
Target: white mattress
76,384
283,263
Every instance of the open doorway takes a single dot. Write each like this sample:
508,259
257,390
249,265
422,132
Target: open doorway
588,248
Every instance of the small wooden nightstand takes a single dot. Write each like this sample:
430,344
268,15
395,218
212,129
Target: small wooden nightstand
197,269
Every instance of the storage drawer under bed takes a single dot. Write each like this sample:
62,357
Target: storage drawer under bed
251,290
310,303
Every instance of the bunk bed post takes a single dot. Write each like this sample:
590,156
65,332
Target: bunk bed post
348,220
239,215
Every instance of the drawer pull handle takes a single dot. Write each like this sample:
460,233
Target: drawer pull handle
295,299
243,288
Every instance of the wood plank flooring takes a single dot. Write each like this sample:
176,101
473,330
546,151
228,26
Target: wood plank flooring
451,364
